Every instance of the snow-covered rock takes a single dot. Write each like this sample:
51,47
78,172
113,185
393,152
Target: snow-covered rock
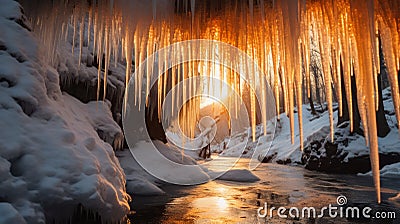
8,214
168,164
390,171
349,152
239,175
141,186
395,198
191,148
51,157
100,117
138,181
80,78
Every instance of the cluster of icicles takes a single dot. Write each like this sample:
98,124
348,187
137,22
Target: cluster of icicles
276,34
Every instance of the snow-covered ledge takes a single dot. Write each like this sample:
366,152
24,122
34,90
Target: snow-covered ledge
51,157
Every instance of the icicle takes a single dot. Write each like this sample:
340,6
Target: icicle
192,8
81,32
137,61
154,5
74,34
128,56
89,26
107,60
149,66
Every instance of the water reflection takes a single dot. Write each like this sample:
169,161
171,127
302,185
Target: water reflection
232,202
219,205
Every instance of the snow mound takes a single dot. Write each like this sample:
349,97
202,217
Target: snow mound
100,117
8,214
239,175
168,164
138,181
141,186
389,171
51,157
395,198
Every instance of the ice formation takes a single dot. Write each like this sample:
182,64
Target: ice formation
51,157
276,34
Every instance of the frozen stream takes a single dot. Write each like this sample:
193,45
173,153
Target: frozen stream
233,202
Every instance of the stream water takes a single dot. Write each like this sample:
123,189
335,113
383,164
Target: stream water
280,186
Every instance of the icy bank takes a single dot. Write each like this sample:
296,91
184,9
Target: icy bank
390,171
52,158
347,154
281,150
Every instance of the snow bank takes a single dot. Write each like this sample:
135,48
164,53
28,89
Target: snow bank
390,171
141,186
314,127
319,153
388,144
138,181
349,152
8,214
395,198
168,164
51,156
281,148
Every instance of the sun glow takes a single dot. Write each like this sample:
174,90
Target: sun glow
219,203
214,87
